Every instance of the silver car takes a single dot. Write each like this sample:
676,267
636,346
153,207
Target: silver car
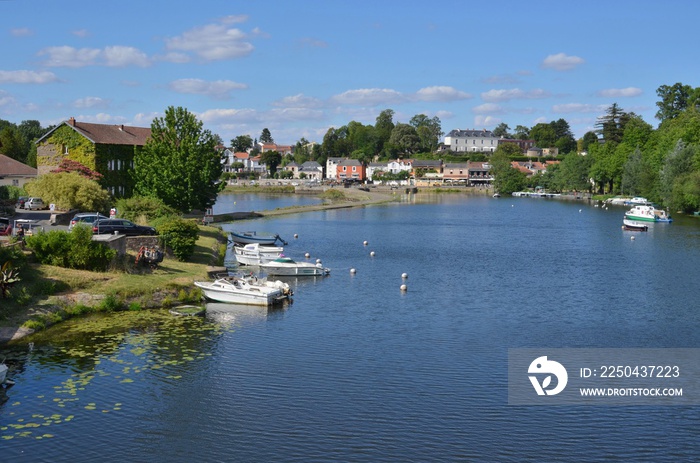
87,218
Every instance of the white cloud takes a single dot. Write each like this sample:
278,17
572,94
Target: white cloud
369,97
562,62
6,99
314,43
213,41
514,94
488,108
65,56
175,57
230,116
577,108
298,101
27,77
91,102
81,33
486,121
234,18
294,114
220,89
441,93
442,115
118,56
21,32
620,92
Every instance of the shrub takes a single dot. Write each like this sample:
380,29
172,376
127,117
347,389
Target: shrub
71,250
69,190
138,207
179,235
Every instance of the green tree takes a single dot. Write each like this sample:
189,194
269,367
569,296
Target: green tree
502,131
266,136
573,173
242,143
405,138
271,159
384,125
589,138
506,179
13,144
674,100
678,163
545,135
429,131
179,163
633,174
522,132
69,190
612,125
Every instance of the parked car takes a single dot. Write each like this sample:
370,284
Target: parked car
87,218
121,226
20,202
35,204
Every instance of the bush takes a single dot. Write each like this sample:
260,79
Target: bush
138,207
68,190
71,250
179,235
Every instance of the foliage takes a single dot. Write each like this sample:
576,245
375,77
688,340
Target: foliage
675,99
9,276
69,190
79,148
271,159
241,143
138,208
74,249
13,144
405,138
179,163
429,131
266,136
68,165
178,234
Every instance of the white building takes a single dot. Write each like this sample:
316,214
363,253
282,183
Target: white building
332,167
483,141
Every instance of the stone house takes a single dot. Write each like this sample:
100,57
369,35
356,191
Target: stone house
15,173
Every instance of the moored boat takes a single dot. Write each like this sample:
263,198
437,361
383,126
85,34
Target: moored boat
250,237
3,373
646,213
255,254
250,290
633,225
286,266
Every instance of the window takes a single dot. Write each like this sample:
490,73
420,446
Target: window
354,168
15,182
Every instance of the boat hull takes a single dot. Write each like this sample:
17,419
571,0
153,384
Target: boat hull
3,373
242,292
294,271
640,218
631,225
251,237
254,254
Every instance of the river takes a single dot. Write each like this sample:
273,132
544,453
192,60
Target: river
355,369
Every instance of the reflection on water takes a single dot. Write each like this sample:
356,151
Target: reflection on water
230,315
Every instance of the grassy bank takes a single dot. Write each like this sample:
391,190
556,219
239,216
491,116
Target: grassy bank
49,294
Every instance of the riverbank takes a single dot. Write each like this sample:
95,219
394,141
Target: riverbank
170,283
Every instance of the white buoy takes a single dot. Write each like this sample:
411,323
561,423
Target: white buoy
404,275
580,210
307,255
512,205
365,243
353,271
371,253
318,261
404,288
632,238
296,236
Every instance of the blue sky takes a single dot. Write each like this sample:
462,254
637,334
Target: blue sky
299,68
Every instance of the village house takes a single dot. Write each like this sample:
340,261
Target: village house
332,167
375,170
351,169
108,149
461,141
456,173
15,173
311,170
284,150
250,163
530,168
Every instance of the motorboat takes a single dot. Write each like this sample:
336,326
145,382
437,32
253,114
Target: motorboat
633,225
286,266
3,373
255,254
245,290
646,213
250,237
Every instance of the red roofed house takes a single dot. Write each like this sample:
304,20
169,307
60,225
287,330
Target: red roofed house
105,148
15,173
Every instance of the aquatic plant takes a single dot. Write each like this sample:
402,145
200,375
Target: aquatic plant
9,276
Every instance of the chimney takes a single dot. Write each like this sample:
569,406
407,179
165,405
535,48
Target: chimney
71,121
121,127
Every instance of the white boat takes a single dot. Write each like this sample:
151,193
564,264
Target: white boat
289,267
633,225
3,373
647,213
250,237
255,254
250,290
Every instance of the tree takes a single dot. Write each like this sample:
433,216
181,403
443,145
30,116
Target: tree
12,143
70,190
429,131
589,138
271,159
678,163
242,143
179,163
545,135
405,138
266,136
506,179
501,131
632,174
384,125
612,125
68,165
674,100
522,132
